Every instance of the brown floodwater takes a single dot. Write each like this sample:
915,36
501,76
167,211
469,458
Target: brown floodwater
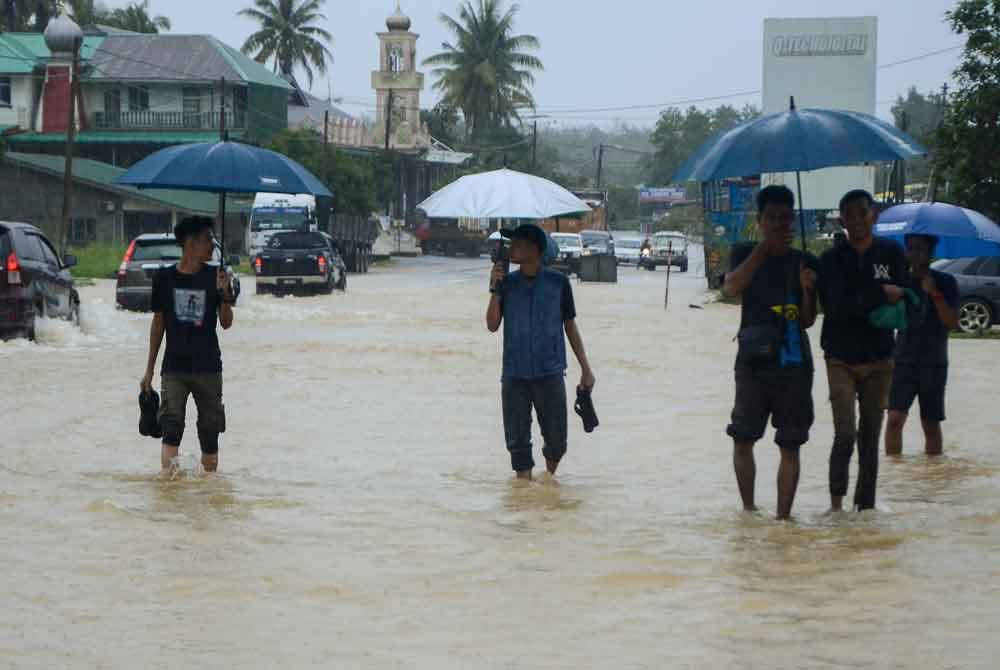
365,516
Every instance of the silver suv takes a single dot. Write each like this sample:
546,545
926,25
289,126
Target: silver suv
147,255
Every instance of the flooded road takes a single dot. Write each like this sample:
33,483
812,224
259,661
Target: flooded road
365,515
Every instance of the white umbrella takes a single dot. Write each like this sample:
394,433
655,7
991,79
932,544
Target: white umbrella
502,194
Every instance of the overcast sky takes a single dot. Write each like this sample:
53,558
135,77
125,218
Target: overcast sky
604,53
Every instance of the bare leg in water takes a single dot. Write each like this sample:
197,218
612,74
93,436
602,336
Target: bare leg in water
168,454
746,473
933,438
788,481
524,474
894,433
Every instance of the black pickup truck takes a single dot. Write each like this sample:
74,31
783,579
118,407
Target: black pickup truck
299,263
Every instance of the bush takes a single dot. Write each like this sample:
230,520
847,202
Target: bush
97,261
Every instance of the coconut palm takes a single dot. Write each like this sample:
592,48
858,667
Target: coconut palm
28,15
135,17
486,72
289,35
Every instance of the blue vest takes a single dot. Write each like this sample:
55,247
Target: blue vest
534,345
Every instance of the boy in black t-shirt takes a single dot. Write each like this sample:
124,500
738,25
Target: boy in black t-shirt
188,300
922,350
774,368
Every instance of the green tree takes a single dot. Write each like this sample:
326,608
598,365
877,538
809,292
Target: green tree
289,35
919,115
88,12
136,18
487,72
28,15
444,123
623,206
352,179
678,134
968,139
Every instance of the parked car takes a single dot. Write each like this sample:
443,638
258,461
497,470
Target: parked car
978,291
294,262
597,242
148,254
570,250
34,282
628,251
668,248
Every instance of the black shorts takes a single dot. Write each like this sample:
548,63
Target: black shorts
784,396
910,382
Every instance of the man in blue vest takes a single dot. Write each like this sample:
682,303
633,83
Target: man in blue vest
535,305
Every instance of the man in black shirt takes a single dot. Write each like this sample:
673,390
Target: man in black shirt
188,300
774,368
856,278
922,350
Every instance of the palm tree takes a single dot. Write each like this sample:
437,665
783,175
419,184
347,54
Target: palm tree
135,17
88,12
28,15
288,34
487,72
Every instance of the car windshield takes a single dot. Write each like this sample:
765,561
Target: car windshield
594,238
165,250
297,241
663,240
955,266
279,218
567,241
628,244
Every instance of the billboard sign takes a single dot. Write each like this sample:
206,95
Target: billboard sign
661,195
826,63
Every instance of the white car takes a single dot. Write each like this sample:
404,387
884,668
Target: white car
627,251
570,250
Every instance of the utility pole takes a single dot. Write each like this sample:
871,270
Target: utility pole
388,133
600,166
70,138
534,145
900,173
326,128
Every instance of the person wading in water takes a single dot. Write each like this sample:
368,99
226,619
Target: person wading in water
922,350
774,367
535,305
188,301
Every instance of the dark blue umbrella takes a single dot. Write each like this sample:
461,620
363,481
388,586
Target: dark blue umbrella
223,167
795,141
961,232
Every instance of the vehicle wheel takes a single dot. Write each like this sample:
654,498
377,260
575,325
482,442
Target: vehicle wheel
974,315
342,284
74,312
684,268
37,313
651,267
259,290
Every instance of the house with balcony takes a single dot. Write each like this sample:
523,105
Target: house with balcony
137,93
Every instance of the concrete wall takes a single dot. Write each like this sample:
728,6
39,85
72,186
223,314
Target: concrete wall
36,198
19,112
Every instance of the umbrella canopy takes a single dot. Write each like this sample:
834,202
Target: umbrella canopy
961,232
798,140
223,167
502,194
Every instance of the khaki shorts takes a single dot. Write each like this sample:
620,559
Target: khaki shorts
207,391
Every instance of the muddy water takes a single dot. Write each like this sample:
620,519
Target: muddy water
365,515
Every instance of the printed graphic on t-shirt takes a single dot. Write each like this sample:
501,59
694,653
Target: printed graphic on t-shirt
791,345
189,305
882,272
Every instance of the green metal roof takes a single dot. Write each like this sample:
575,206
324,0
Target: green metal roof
124,137
20,53
252,71
103,175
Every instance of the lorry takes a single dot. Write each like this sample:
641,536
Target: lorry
273,212
354,235
453,237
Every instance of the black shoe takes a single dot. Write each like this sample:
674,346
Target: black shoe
149,409
585,408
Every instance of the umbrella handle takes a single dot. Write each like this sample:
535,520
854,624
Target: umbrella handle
802,214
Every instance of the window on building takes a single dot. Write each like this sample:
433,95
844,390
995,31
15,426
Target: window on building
138,99
113,105
192,104
5,92
84,231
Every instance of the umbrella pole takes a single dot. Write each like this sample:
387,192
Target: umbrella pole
222,225
802,214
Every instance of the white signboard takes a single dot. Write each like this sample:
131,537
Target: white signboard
824,63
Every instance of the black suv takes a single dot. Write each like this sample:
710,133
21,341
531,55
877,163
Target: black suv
34,283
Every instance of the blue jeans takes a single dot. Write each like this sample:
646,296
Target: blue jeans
548,396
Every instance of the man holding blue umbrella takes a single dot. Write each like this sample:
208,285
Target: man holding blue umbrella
922,350
857,278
